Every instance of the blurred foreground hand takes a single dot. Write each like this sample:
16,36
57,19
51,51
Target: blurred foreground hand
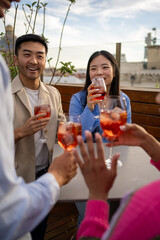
64,167
4,5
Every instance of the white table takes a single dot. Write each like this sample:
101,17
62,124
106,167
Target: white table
135,172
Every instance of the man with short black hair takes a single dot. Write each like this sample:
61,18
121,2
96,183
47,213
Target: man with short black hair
32,158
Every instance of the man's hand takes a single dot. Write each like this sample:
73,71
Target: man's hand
5,4
97,177
31,126
64,168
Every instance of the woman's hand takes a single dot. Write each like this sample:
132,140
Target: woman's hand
90,102
134,135
97,177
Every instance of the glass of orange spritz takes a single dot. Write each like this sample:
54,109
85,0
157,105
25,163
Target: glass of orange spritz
68,131
113,114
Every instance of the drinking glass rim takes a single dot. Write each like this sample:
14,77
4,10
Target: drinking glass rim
109,98
72,118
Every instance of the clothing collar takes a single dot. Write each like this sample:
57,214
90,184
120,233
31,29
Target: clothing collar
18,86
19,89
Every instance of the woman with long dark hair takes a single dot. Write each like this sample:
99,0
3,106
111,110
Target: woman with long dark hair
101,64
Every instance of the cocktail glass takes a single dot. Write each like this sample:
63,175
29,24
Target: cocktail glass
100,85
113,115
68,131
42,107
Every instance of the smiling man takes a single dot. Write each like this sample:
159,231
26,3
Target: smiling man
32,158
30,59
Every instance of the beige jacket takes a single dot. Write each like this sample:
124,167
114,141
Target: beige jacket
24,148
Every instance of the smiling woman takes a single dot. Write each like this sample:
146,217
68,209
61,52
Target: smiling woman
101,64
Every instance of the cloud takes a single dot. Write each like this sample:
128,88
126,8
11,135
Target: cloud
94,25
93,21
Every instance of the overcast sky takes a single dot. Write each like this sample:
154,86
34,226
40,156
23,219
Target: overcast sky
94,22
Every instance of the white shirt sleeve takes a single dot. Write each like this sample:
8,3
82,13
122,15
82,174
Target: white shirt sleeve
25,205
22,206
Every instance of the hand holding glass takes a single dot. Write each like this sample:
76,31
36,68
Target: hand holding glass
68,131
42,108
99,83
113,115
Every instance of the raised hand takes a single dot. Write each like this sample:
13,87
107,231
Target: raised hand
64,167
97,177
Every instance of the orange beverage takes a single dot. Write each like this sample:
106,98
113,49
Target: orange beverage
43,109
67,134
111,121
99,84
100,91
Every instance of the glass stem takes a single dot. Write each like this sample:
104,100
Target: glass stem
110,153
43,139
43,135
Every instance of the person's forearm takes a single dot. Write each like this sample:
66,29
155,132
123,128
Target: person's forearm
22,199
137,211
152,147
95,222
101,196
18,134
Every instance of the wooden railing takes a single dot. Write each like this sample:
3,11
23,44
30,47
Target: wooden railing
145,111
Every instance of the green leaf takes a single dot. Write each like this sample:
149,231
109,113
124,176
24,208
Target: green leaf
28,5
33,3
67,68
43,4
1,34
49,59
72,1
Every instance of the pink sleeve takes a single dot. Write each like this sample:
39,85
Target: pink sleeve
156,164
140,217
96,219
